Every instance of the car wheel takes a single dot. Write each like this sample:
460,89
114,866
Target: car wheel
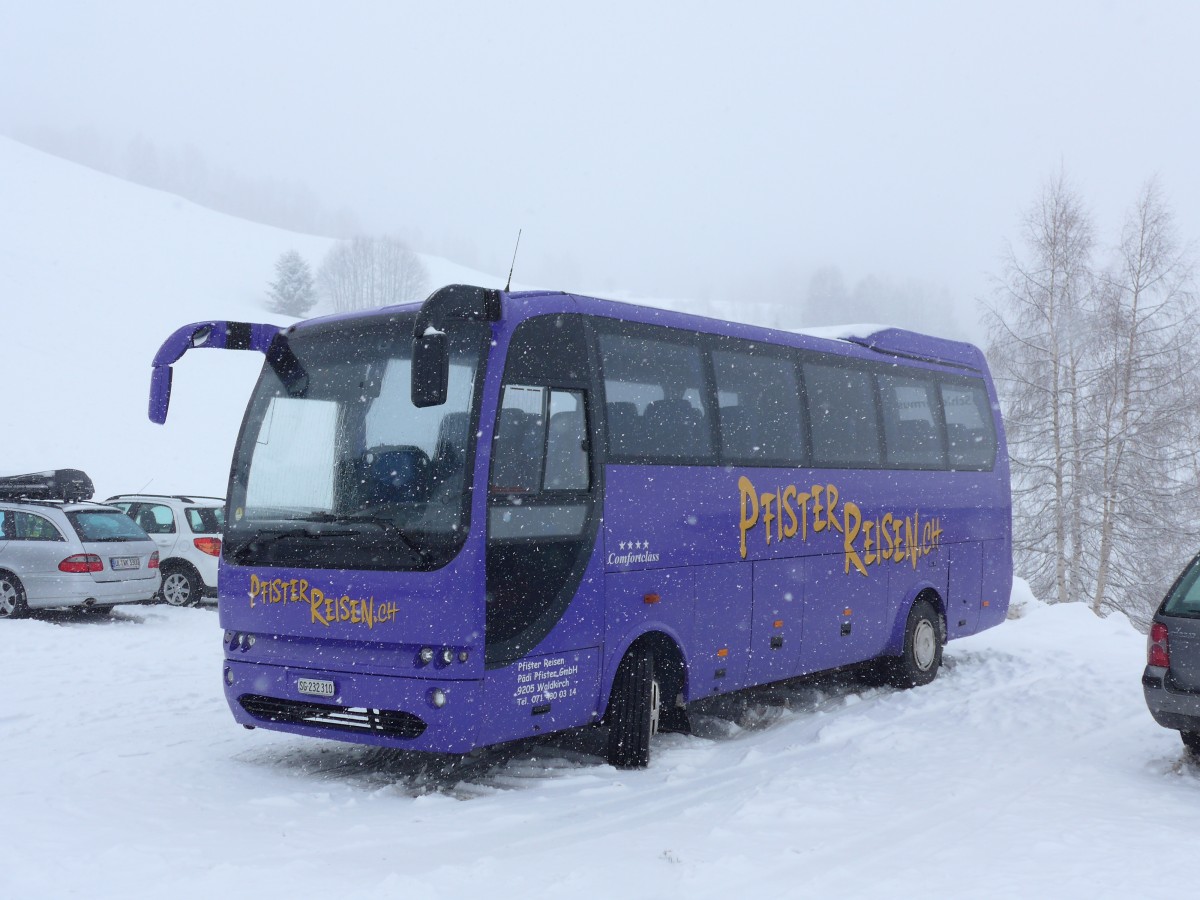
922,656
12,597
633,711
1191,742
180,588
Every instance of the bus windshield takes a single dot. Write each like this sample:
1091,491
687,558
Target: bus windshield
340,470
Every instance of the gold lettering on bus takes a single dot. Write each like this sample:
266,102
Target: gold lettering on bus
326,610
786,513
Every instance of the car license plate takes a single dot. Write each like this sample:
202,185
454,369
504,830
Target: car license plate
315,686
117,563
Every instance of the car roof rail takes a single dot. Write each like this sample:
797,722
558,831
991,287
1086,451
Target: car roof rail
64,485
186,498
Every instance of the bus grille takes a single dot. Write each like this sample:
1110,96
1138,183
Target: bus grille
358,719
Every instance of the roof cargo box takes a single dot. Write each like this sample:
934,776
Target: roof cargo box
69,485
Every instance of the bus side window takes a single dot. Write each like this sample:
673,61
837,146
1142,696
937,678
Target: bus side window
969,428
842,415
911,429
519,443
656,398
566,443
758,397
541,442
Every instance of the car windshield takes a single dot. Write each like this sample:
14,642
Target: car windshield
102,525
342,471
206,519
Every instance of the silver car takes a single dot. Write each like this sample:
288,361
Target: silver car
1171,682
56,553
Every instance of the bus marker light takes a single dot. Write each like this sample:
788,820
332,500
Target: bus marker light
779,623
846,611
229,676
651,598
987,602
437,697
723,652
463,656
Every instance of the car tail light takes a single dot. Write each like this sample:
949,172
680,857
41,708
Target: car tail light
82,562
1158,651
153,564
211,546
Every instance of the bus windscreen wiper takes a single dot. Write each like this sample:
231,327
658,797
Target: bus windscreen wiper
264,536
386,525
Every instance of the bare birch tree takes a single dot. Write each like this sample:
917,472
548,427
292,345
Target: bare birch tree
1038,349
1143,412
1099,374
370,272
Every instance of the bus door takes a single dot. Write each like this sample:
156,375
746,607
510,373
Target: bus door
544,617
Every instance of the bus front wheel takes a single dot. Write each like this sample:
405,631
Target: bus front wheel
922,656
633,711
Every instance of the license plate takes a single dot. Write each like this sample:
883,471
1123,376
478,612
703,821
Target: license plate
315,686
118,563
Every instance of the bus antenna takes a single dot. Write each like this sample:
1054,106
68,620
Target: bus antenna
514,261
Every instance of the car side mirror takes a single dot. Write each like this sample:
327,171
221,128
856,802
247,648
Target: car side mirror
430,369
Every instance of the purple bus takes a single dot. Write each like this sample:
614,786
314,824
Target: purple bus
498,515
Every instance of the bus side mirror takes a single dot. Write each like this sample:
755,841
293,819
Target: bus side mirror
160,393
430,369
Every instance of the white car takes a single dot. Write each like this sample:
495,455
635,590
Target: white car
59,550
187,530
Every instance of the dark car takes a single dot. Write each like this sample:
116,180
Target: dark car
1171,681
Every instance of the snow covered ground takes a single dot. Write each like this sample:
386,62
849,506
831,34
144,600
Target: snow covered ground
1029,768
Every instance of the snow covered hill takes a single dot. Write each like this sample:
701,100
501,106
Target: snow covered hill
1030,768
94,273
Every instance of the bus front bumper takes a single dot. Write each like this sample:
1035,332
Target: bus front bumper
383,710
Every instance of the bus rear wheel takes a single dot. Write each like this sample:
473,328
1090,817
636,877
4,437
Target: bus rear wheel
922,656
633,711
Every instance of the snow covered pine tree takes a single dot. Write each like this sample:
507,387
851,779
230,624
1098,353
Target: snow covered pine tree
292,292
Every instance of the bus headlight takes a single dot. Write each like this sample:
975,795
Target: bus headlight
426,655
228,676
447,656
437,697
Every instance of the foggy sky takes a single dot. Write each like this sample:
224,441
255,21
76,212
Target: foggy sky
672,150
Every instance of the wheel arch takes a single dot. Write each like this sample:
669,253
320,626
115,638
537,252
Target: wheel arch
172,563
926,592
670,663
